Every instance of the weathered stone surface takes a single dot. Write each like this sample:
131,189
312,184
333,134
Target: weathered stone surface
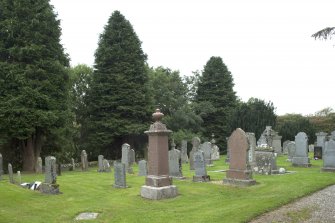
47,188
10,173
84,161
50,170
183,150
126,158
86,216
329,156
332,135
252,149
142,168
300,157
266,162
73,164
276,143
100,163
311,148
132,156
18,177
39,165
119,175
321,138
158,193
239,172
200,167
206,147
291,150
158,163
175,163
106,166
195,147
285,150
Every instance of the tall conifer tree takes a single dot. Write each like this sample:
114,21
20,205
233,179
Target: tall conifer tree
215,90
118,106
33,76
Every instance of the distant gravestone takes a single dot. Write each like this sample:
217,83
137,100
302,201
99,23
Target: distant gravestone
329,157
100,163
10,173
126,160
106,166
321,138
228,152
215,153
132,156
285,150
206,147
332,135
84,161
311,148
252,149
50,186
39,165
318,152
195,147
142,168
262,141
119,175
183,150
73,164
200,167
175,163
276,143
239,172
300,157
291,150
1,166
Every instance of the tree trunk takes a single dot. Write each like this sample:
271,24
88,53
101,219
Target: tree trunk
28,155
38,146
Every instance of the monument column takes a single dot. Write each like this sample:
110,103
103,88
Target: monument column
158,183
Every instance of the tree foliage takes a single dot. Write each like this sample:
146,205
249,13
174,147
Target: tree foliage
118,102
325,33
290,125
254,115
33,76
216,95
323,120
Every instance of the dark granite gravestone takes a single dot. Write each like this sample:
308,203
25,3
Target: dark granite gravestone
317,152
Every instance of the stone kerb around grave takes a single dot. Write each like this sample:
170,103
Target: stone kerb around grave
239,172
158,183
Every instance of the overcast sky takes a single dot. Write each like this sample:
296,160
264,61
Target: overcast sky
267,45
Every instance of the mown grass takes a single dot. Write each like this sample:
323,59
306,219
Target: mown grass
198,202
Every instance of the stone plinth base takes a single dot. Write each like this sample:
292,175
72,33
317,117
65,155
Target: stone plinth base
46,188
158,181
201,178
328,169
301,162
119,186
238,182
158,193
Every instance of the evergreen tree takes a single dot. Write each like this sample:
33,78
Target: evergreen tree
33,76
119,106
254,115
215,92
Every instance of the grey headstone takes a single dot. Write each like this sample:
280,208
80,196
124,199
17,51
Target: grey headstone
266,162
291,150
183,150
100,163
84,161
73,164
206,147
329,156
321,138
285,150
119,175
10,173
175,163
1,166
50,170
106,166
200,167
132,156
276,143
332,135
195,147
215,154
126,160
251,152
262,141
142,168
300,157
39,165
311,148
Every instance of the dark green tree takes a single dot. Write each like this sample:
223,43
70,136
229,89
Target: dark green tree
254,115
33,76
119,106
290,125
215,93
325,33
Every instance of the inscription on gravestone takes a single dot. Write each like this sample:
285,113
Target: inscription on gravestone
119,175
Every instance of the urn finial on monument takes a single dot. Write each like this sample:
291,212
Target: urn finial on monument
157,126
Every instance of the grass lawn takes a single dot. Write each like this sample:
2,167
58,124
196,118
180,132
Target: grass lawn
198,202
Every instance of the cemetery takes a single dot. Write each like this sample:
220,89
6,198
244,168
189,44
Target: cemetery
122,141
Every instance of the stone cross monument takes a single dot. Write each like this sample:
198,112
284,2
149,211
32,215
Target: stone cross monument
158,183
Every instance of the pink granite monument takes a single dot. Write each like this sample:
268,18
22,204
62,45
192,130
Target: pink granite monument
158,183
